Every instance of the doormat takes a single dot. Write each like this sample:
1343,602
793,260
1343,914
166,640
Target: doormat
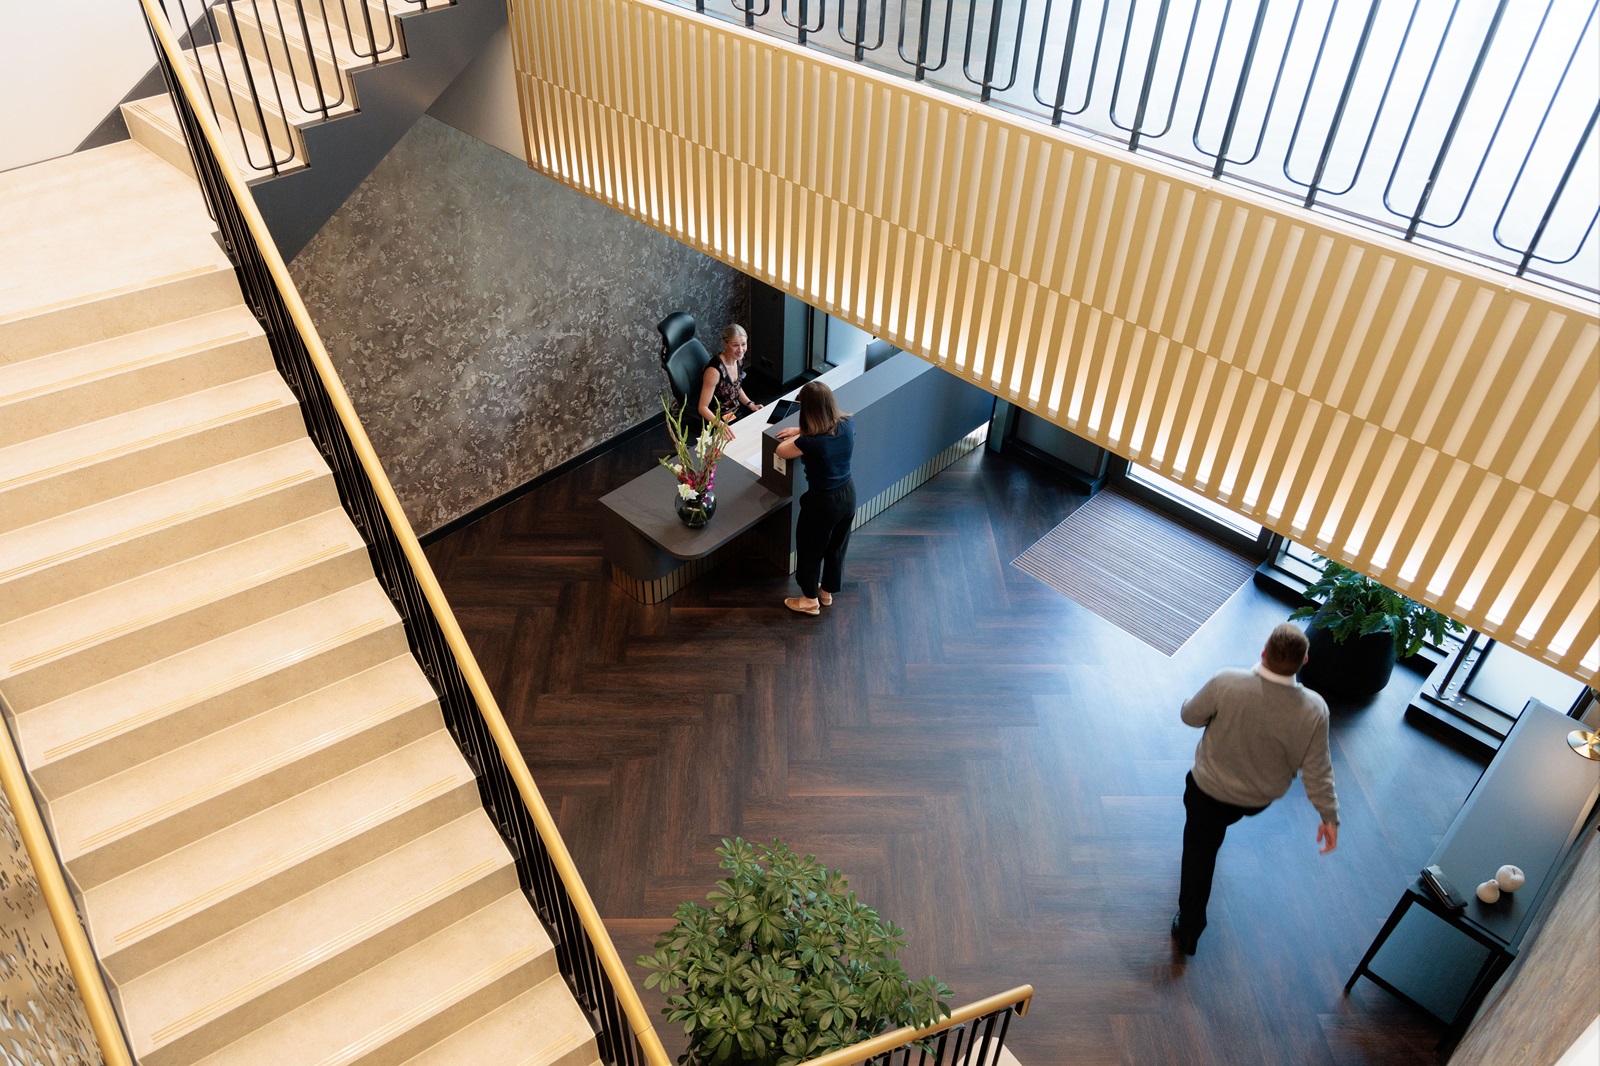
1138,569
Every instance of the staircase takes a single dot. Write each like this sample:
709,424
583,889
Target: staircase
278,850
312,94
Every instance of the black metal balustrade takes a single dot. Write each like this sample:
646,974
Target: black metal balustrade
261,96
974,1043
541,880
1466,125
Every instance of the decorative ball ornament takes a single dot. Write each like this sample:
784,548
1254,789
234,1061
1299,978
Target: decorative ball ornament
1489,891
1510,878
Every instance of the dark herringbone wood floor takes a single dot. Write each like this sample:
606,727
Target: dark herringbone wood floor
997,770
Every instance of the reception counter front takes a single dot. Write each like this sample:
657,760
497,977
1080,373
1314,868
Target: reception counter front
912,420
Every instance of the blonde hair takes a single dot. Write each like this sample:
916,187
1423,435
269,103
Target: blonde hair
732,330
819,411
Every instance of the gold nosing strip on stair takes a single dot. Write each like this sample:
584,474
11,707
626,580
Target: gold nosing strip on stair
177,433
124,368
166,520
355,1050
333,947
284,758
570,1040
211,596
259,670
288,859
121,290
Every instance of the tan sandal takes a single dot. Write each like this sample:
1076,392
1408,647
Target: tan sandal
798,603
825,597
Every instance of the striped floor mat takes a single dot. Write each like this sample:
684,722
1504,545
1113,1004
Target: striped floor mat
1137,569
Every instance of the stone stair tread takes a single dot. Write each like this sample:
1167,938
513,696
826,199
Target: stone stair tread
68,372
542,1027
341,54
383,1006
141,698
348,13
249,152
65,247
309,931
83,445
43,544
222,762
211,871
281,93
144,600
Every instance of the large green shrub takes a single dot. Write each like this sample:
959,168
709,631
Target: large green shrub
784,965
1350,604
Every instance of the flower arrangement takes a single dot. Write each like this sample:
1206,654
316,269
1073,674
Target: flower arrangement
694,463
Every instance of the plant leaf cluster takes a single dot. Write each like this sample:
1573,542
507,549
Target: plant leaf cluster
1349,604
783,963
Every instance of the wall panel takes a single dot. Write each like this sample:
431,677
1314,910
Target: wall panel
1427,422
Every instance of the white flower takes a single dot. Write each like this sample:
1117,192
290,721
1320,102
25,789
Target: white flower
687,491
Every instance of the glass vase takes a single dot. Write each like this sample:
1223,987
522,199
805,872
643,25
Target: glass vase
695,511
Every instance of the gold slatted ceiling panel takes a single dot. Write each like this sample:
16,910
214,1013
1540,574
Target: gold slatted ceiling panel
1431,424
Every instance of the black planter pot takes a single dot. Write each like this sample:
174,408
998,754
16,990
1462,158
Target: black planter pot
1358,668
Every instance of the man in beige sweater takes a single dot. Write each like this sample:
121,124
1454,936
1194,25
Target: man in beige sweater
1261,728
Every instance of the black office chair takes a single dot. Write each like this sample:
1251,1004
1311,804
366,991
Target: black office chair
682,356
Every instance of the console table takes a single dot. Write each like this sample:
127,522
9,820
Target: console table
1527,810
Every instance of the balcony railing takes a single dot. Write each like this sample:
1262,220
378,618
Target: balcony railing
1468,125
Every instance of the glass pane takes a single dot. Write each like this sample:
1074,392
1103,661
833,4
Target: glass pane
1194,501
1295,550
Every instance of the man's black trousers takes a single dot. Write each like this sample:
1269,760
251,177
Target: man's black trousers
1203,829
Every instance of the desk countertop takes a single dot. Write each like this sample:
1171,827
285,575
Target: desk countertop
646,504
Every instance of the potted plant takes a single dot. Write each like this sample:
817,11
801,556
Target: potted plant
783,964
1358,629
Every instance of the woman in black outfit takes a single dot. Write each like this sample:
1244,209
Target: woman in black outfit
824,442
722,395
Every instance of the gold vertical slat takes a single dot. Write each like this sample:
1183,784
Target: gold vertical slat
1371,397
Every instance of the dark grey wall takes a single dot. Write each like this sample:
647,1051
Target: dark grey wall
491,324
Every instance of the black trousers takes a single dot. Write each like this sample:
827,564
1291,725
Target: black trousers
1203,829
821,536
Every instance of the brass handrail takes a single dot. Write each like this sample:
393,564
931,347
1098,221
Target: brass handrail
1020,997
63,912
627,995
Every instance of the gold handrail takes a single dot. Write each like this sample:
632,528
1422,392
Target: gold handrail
627,996
1022,996
63,912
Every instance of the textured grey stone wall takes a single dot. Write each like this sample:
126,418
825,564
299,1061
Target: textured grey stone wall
491,324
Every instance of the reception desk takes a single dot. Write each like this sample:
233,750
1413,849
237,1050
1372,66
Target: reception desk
912,420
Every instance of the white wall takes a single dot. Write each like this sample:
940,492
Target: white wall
63,67
482,101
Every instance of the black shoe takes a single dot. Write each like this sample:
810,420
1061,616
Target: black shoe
1186,944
